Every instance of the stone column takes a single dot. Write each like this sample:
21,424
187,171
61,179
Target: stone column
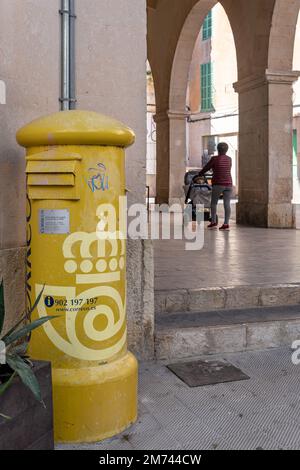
162,157
265,153
178,129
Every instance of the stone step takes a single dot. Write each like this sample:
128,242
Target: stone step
187,334
219,298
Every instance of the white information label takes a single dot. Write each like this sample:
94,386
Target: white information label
54,221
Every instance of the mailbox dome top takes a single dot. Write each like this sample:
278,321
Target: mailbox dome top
75,128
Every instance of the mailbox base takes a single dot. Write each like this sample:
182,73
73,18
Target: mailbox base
95,403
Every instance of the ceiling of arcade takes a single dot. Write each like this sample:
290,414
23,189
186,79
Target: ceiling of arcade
263,31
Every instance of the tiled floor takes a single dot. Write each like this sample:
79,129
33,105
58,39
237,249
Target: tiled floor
244,256
262,413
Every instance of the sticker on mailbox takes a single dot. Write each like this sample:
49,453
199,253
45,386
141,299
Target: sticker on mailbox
54,222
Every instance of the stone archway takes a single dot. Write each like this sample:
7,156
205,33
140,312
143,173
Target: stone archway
265,84
266,119
178,91
173,27
177,112
282,49
264,32
282,35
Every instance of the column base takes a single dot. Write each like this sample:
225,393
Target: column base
95,403
180,201
281,216
266,215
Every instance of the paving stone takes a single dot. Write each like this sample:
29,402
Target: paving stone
268,334
160,301
264,419
288,294
206,299
292,331
262,413
176,301
241,296
155,441
188,342
235,263
286,434
195,435
169,410
188,334
251,441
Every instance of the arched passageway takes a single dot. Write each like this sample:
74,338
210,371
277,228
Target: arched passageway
178,112
203,104
264,40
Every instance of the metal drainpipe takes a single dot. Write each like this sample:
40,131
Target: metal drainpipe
67,99
72,56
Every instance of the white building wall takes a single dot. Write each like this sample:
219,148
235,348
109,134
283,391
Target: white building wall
111,70
223,57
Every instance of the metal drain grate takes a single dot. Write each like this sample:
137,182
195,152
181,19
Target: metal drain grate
201,373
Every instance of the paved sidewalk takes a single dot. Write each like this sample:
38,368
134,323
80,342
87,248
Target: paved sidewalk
262,413
244,256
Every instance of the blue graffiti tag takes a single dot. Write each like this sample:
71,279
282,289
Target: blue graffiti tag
99,180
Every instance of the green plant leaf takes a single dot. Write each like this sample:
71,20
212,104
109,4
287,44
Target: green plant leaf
2,308
26,374
27,315
20,349
23,332
5,417
4,387
15,326
30,312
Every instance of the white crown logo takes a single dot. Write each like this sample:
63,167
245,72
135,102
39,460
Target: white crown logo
110,251
101,262
110,258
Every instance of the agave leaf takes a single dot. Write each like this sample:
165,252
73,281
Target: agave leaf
28,361
37,300
26,374
15,326
2,309
26,316
4,387
23,332
19,349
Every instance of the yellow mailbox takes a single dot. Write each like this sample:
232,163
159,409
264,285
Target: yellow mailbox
76,225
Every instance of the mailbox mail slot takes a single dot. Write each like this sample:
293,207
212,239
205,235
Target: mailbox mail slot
51,179
44,179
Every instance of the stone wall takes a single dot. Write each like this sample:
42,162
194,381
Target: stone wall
29,49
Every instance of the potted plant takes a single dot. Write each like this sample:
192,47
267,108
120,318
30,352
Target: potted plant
25,387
